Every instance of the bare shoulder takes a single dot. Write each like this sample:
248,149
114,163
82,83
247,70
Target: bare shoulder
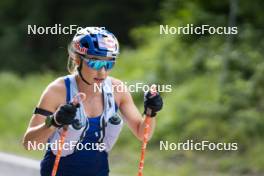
116,81
54,95
120,90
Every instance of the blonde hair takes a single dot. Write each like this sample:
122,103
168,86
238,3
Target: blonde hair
71,65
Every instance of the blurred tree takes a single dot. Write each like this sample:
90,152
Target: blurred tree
203,106
25,53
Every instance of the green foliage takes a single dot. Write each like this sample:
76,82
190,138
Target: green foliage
19,97
217,81
24,53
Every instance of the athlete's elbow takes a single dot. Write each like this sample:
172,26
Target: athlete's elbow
27,143
30,145
141,137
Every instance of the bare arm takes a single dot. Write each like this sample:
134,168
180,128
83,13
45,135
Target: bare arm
131,113
52,97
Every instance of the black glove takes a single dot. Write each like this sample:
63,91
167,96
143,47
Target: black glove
64,115
153,102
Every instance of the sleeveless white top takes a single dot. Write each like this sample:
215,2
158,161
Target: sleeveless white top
109,132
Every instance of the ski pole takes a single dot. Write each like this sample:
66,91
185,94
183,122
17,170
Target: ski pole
146,135
77,99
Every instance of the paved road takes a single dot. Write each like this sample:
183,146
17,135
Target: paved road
12,165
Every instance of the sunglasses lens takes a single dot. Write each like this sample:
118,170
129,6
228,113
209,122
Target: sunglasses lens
98,64
93,64
110,65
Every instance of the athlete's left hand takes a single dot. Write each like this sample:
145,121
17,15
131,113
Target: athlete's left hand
152,101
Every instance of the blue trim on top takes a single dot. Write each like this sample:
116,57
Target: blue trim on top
116,107
68,92
68,89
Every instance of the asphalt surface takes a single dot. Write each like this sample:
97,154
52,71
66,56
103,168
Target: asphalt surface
12,165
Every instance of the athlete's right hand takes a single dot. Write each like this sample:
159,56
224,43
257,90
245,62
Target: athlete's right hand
64,115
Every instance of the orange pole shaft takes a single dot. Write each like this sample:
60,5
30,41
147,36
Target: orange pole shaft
144,145
58,156
78,98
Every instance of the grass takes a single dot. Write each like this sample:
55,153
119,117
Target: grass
19,96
